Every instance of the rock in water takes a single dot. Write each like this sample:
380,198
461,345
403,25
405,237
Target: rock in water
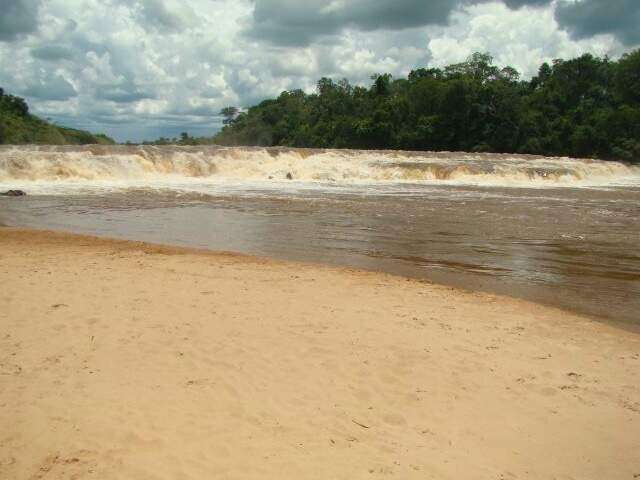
289,176
14,193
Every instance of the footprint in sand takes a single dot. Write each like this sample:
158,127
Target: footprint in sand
66,466
10,369
394,419
7,462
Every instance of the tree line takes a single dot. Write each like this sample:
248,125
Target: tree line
583,107
18,126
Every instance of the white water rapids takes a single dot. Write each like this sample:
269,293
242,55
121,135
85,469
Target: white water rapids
35,167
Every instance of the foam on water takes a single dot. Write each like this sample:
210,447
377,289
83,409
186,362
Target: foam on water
64,169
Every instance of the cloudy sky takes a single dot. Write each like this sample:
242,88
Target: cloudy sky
139,69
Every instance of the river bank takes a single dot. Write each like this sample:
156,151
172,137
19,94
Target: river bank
125,359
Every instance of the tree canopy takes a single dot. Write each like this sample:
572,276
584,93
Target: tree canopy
584,107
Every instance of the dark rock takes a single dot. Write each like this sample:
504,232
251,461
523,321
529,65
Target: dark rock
13,193
289,176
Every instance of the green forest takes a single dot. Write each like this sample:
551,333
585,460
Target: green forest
18,126
584,107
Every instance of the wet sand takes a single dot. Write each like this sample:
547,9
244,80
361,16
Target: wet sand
129,360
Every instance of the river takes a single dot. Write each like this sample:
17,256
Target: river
559,231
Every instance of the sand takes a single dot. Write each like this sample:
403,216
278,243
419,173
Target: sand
124,360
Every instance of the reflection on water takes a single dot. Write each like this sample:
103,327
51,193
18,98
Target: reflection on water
574,248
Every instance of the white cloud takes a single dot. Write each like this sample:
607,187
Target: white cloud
521,38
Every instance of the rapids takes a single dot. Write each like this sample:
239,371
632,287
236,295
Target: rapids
153,166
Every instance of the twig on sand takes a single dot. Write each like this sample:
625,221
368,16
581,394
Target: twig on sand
360,424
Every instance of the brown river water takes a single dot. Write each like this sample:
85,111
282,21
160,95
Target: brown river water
559,231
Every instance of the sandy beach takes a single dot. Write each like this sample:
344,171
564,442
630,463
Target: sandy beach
123,360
